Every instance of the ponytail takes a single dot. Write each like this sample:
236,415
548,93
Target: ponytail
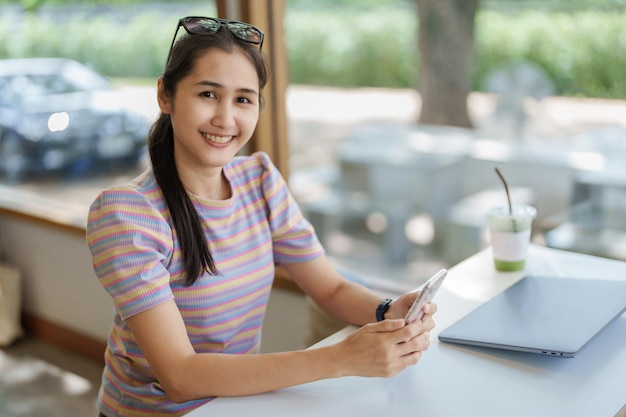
195,251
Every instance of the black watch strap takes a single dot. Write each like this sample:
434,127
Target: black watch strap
382,309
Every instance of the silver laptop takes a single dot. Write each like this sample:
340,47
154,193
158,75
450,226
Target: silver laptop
541,314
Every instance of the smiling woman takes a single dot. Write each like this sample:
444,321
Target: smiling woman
45,211
187,251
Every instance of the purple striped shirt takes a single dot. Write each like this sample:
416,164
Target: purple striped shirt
137,259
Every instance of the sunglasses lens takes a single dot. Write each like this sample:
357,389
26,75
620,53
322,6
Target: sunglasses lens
246,32
199,25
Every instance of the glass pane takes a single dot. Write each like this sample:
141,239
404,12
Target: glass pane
77,98
395,196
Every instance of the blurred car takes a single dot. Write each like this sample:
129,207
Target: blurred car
56,113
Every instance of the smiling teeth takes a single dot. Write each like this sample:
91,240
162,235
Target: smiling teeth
217,139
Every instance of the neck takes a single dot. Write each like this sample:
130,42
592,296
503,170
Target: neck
213,186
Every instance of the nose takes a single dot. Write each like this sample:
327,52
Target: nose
224,115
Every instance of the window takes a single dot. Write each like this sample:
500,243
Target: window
389,197
77,99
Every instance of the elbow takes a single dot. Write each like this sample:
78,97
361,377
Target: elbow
175,379
180,388
177,397
181,382
176,391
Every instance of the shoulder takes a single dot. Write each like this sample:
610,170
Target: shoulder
139,198
257,163
257,167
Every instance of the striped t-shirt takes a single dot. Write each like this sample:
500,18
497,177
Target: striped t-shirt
137,259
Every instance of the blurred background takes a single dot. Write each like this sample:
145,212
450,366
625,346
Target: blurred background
393,125
397,113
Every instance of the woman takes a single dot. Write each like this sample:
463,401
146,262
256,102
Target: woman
187,250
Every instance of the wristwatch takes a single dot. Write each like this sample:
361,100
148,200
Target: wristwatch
382,309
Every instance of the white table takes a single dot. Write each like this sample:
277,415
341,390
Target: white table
452,380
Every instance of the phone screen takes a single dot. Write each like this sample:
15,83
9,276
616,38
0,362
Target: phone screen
427,293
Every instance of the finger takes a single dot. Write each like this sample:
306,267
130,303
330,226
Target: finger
389,325
428,322
407,333
411,358
430,308
427,340
417,344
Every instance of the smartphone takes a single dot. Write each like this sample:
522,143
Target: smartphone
426,294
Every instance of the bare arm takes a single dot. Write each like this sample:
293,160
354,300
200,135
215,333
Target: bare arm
380,349
345,300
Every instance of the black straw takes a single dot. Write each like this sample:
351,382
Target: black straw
506,188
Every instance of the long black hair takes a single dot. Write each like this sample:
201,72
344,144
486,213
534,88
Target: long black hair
197,258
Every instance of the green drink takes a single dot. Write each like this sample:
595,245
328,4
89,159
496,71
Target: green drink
509,231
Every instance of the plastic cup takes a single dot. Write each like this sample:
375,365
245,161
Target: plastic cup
510,235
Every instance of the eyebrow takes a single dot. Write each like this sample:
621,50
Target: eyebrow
218,85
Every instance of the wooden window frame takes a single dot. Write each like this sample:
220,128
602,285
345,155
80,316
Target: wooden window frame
271,132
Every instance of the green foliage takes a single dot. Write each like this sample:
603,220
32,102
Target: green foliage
135,46
344,49
584,52
33,4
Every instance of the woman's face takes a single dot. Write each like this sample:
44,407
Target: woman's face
214,110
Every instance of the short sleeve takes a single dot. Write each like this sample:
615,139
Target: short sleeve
293,236
131,243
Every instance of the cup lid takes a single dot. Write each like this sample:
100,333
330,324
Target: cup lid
518,210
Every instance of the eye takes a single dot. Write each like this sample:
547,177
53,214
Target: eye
208,94
243,100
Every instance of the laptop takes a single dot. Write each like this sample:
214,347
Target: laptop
542,314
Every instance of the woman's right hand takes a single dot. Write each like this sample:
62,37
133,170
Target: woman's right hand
383,349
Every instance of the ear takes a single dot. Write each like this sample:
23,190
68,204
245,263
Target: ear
162,98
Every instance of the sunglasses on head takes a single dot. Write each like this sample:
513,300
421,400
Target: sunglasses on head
210,25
